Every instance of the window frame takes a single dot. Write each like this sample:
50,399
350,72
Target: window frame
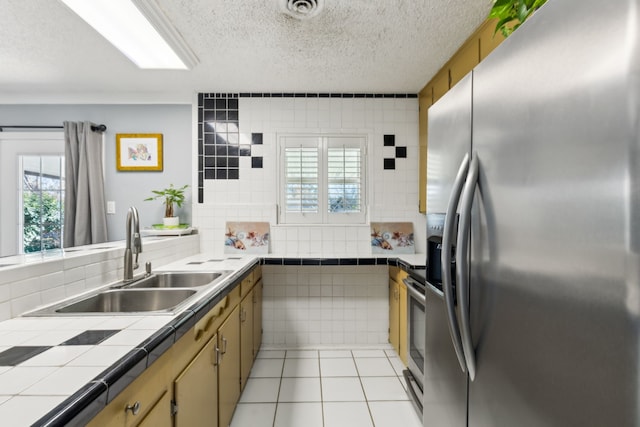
322,142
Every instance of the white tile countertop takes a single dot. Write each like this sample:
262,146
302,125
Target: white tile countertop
63,374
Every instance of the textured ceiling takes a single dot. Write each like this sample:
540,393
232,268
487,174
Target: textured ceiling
49,55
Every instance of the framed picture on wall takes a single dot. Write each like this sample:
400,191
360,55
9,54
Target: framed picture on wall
139,151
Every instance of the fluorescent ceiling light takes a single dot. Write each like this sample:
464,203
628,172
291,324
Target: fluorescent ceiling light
123,24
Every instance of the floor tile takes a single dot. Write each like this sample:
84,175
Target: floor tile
261,390
300,390
271,354
338,368
346,414
267,368
299,414
383,388
375,367
342,389
394,414
254,415
301,368
302,354
335,353
369,353
397,365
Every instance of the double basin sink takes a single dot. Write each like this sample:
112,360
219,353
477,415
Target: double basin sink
162,292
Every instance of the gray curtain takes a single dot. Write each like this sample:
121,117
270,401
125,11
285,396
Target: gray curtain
85,220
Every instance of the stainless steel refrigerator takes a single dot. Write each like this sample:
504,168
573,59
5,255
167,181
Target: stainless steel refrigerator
533,215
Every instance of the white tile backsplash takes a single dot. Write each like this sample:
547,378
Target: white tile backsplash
392,195
327,305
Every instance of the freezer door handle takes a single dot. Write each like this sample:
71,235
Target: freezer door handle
447,286
462,264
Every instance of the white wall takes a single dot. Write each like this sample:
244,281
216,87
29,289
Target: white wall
125,188
392,194
311,306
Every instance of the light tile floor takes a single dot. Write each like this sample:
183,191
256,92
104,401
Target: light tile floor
326,388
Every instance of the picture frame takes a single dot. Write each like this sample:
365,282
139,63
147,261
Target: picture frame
139,152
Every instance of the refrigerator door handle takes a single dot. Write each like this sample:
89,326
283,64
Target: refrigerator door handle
462,263
447,286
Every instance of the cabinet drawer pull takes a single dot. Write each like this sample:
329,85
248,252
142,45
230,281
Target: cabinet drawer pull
135,408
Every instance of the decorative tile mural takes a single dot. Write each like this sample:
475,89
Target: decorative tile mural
392,238
221,143
246,238
398,153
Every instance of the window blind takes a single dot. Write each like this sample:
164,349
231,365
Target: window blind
302,179
344,192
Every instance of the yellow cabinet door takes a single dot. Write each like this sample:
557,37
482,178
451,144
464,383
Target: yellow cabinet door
425,101
246,338
257,317
402,322
228,367
394,315
160,414
196,389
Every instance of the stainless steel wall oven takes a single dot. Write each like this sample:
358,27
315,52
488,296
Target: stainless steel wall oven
416,334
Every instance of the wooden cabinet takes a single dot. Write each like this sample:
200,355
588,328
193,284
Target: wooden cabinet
228,367
196,388
257,316
246,337
197,382
474,50
146,399
398,312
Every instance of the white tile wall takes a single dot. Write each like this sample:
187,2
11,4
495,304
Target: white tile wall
42,281
325,306
392,194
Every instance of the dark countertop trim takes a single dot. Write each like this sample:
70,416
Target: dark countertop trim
92,398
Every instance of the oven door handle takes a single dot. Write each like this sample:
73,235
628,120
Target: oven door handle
414,292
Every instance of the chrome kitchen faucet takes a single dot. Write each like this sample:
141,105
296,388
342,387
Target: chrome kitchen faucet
129,264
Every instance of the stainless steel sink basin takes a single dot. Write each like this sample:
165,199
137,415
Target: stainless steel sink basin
129,301
177,279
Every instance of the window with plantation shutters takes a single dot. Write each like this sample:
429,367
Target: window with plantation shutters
322,179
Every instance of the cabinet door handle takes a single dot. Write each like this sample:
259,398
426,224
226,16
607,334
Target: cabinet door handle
224,345
216,356
135,408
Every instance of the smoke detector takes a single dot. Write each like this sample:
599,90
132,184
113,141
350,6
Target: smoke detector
301,9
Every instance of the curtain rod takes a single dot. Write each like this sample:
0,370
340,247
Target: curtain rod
98,128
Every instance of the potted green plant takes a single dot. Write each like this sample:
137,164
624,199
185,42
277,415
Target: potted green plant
511,13
170,196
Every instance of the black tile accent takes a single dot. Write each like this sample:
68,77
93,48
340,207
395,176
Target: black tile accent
233,174
273,261
366,261
292,261
78,409
256,138
200,195
245,150
256,162
15,355
195,263
330,261
158,343
221,174
233,162
122,373
401,152
348,261
389,163
91,337
310,261
381,261
389,140
185,321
